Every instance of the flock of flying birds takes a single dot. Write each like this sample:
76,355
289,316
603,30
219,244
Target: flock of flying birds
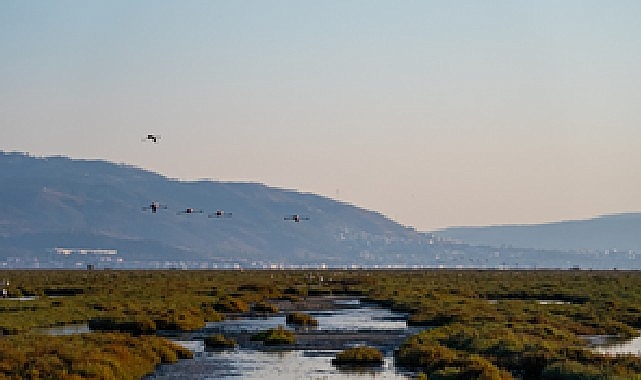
155,205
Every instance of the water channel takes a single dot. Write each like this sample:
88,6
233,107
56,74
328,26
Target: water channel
350,323
606,345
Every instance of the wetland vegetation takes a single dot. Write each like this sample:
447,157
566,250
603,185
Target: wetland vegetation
300,319
275,337
219,341
477,324
361,355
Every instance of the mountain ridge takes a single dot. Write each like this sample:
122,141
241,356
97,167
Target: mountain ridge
44,196
601,232
60,202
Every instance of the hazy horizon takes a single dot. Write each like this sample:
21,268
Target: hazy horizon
434,114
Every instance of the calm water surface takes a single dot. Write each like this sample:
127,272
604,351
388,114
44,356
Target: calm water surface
289,364
632,347
354,318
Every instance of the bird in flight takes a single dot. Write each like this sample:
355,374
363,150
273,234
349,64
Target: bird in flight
190,210
151,137
296,218
154,207
220,214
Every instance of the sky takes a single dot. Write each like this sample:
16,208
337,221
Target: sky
434,113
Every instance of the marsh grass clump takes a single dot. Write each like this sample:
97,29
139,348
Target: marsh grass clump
301,319
230,305
85,356
264,308
569,370
275,337
219,342
115,324
359,356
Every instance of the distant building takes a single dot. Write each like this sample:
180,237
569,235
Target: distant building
84,251
81,257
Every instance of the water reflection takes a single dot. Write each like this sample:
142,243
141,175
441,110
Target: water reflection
25,298
244,363
268,365
352,319
632,347
365,318
66,330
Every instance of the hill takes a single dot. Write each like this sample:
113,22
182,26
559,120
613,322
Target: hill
62,212
58,202
620,232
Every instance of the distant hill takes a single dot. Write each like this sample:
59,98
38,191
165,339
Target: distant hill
609,232
61,202
96,207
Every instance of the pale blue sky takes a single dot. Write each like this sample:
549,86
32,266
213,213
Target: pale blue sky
434,113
